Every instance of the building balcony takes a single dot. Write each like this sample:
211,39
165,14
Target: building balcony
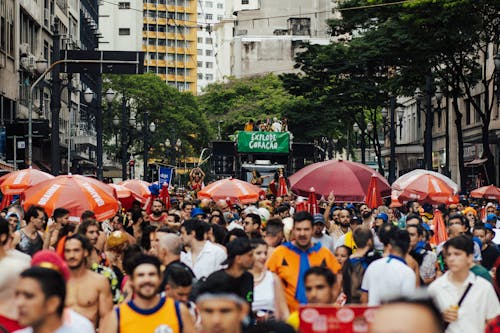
90,140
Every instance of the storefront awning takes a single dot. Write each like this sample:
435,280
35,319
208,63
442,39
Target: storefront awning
476,162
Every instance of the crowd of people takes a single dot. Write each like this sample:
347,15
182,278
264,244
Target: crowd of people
205,266
268,125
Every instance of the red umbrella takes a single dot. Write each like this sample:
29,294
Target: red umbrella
490,192
127,196
348,180
230,188
75,193
373,198
312,202
17,181
426,187
138,186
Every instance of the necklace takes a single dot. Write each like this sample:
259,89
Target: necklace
259,279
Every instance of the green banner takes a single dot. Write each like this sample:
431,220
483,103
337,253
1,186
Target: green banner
263,142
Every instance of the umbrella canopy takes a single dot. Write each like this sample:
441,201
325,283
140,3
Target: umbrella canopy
138,186
75,193
426,187
373,198
17,181
347,180
234,189
490,192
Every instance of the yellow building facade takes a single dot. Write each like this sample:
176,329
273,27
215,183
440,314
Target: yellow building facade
169,40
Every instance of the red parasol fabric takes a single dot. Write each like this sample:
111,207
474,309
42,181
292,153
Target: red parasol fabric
312,202
440,234
425,186
230,188
17,181
138,186
282,187
348,180
490,192
75,193
373,198
127,196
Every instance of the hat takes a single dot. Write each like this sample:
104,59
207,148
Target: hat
356,220
116,238
318,218
491,217
197,211
350,206
468,210
237,247
50,259
382,216
488,226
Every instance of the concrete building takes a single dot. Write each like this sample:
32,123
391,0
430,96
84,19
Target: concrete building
210,12
120,23
266,35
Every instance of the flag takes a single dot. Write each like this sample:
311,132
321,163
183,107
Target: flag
165,175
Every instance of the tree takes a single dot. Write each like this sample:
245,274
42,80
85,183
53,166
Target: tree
239,100
175,114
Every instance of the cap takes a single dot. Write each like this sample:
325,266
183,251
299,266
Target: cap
197,211
237,247
488,226
382,216
318,218
50,259
356,220
350,206
491,217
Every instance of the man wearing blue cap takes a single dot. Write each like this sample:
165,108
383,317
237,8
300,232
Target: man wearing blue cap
319,236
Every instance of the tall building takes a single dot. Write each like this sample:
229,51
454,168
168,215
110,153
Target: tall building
266,35
210,12
169,40
121,25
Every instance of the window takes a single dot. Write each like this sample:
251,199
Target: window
124,5
245,2
219,17
209,16
200,52
209,53
220,5
200,40
208,40
200,76
209,4
467,112
439,116
200,64
209,64
209,77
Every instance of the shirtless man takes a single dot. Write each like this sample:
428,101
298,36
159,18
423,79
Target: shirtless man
88,293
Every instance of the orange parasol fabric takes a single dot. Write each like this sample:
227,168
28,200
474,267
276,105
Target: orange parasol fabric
425,186
312,202
230,188
138,186
17,181
373,198
440,234
75,193
490,192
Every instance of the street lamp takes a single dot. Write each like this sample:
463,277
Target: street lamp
400,113
392,139
88,96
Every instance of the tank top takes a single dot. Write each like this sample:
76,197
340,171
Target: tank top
263,294
28,245
163,318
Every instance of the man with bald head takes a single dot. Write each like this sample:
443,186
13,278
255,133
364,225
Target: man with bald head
169,249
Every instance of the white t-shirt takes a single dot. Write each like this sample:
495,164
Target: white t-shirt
479,305
387,278
209,260
326,241
73,323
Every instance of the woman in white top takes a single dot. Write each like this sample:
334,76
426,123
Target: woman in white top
268,296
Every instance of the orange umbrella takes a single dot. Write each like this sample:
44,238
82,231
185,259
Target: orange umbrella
75,193
17,181
425,186
127,196
490,192
312,202
138,186
440,234
234,189
373,198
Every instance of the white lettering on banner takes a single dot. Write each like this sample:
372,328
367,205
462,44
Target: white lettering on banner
20,177
93,193
263,141
47,195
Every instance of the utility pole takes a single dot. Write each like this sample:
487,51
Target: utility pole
428,123
55,101
124,138
392,139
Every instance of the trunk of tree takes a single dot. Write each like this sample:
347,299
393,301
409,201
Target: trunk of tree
485,130
376,143
460,141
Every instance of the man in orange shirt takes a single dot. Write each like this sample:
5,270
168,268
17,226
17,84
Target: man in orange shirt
291,260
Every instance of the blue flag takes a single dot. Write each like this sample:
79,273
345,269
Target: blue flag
165,175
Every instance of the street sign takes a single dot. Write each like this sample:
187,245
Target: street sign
109,62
